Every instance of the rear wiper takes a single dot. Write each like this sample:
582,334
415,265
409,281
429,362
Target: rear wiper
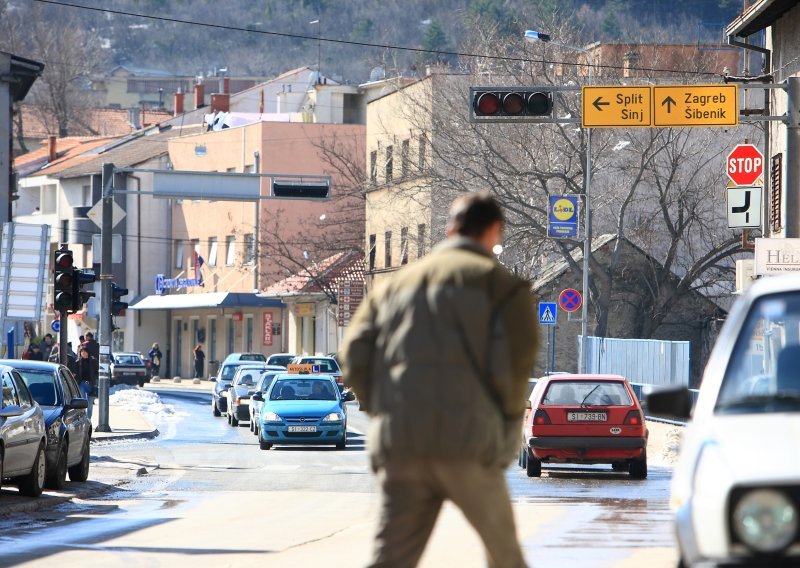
583,402
760,400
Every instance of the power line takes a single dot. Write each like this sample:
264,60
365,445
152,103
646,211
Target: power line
368,44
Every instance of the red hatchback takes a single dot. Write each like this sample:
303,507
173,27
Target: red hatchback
585,419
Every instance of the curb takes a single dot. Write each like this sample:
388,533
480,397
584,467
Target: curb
33,504
147,435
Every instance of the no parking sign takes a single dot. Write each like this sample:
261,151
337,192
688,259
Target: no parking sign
570,300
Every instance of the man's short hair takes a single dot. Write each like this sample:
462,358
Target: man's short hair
90,335
473,213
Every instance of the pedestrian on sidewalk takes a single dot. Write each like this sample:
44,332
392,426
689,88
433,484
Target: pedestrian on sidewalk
199,361
440,357
155,360
47,346
86,373
94,350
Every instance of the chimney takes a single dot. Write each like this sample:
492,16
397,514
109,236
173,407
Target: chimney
51,149
178,103
226,85
199,96
220,102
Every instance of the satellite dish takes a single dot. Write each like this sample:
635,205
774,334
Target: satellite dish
377,74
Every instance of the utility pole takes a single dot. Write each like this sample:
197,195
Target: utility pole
792,159
106,276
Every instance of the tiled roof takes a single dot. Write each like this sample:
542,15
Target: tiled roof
310,280
95,122
69,151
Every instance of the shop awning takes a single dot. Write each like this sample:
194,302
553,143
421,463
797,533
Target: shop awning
211,300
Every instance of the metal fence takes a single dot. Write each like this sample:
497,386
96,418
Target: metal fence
643,361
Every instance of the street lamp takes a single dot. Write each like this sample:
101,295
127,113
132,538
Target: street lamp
533,36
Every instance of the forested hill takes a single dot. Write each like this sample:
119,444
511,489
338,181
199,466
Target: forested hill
166,44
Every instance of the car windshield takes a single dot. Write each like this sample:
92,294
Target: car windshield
325,365
586,393
227,372
42,385
762,375
267,380
252,357
302,389
281,360
127,360
247,377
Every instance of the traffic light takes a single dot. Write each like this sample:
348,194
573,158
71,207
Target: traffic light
118,307
299,189
63,279
511,104
80,278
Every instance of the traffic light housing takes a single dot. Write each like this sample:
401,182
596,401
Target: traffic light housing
118,307
511,104
81,277
301,189
63,280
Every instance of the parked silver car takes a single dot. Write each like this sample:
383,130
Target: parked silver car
22,436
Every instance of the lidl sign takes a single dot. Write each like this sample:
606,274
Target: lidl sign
563,217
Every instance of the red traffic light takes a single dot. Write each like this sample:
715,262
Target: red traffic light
532,104
487,104
63,260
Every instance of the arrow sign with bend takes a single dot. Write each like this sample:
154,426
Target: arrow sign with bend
669,101
598,103
744,208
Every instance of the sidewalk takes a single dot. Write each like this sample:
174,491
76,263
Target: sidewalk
125,425
169,383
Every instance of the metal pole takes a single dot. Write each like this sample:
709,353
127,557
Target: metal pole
792,160
587,236
63,338
105,298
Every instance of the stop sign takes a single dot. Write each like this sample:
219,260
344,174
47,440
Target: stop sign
745,164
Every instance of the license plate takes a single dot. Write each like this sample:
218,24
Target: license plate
302,428
587,416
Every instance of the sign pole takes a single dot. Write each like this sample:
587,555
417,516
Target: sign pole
792,161
63,338
106,276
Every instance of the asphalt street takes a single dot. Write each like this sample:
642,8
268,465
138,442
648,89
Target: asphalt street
203,493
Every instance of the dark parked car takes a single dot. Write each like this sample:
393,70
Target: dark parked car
223,380
128,369
22,436
244,383
67,425
256,402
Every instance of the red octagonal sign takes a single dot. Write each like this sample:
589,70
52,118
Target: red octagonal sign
745,164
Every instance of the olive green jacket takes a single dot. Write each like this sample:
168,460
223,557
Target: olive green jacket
440,357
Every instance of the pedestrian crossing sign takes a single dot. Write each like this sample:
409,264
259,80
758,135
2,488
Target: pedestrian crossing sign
547,313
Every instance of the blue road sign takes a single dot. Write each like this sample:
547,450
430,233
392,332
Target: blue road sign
548,311
570,300
562,218
55,326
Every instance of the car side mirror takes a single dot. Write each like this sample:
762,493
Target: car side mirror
251,392
11,411
528,404
675,402
213,379
78,403
348,396
258,396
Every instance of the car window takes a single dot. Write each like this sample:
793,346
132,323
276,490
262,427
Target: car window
266,381
325,365
247,378
69,383
10,397
762,375
25,399
42,385
303,389
252,357
228,371
586,393
281,360
127,360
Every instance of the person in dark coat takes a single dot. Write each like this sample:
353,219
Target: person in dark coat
155,356
94,350
199,361
86,374
36,353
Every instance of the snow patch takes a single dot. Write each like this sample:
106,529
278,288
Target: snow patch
672,446
138,400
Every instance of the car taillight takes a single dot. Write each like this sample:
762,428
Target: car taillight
541,418
634,418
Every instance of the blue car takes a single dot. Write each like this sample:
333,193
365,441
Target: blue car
303,409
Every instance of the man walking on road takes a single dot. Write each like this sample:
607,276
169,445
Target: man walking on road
440,358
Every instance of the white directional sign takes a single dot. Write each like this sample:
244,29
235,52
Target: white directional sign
744,207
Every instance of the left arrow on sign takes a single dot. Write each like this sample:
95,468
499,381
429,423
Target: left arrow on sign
599,102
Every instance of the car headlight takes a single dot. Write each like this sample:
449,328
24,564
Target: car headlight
270,417
333,417
765,520
53,432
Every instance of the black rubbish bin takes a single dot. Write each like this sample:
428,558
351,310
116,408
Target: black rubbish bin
213,368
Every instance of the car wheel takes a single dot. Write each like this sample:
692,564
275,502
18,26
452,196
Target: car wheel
264,445
80,472
343,444
251,426
214,408
58,478
2,455
638,468
533,467
524,457
232,420
31,485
